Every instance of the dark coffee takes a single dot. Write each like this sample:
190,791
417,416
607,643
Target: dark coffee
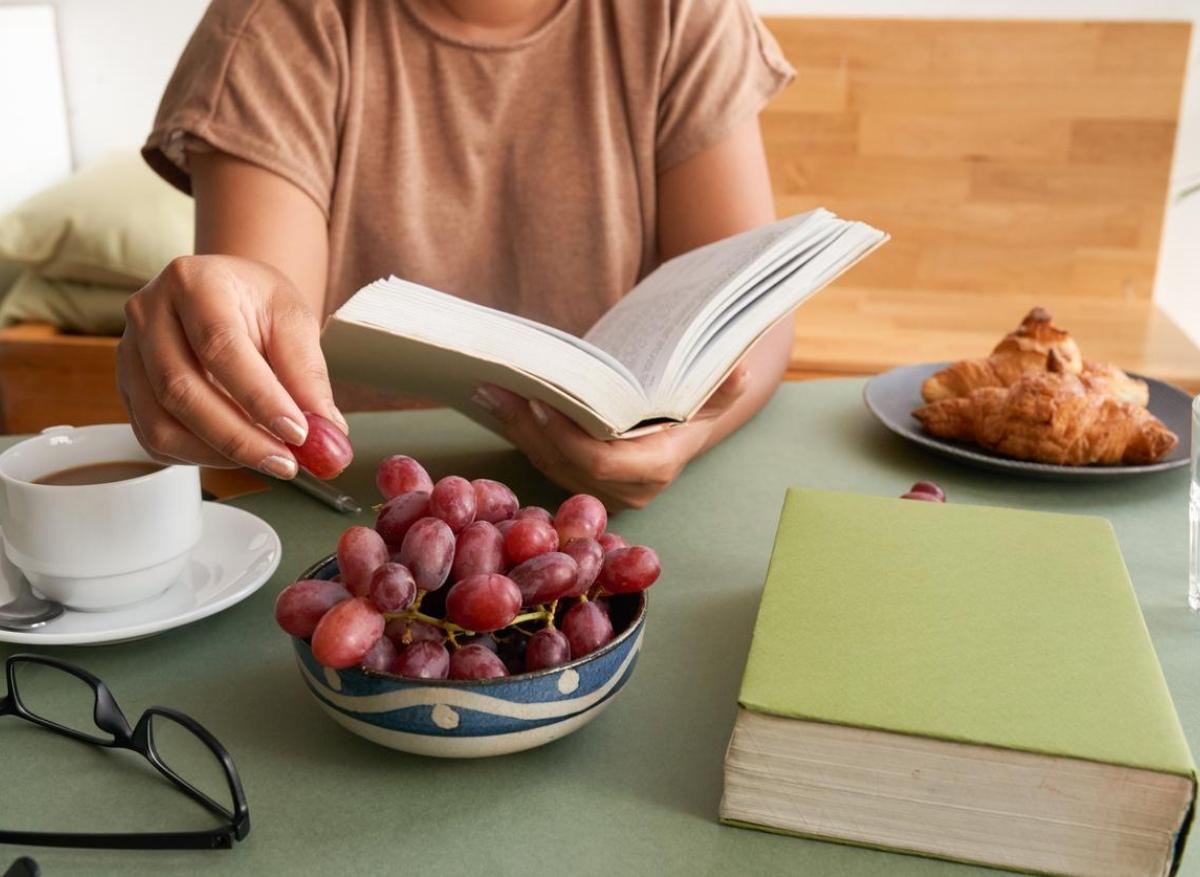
100,473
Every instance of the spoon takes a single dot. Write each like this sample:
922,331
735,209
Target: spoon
27,612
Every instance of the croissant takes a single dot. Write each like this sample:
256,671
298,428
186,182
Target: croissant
1037,345
1052,418
1106,378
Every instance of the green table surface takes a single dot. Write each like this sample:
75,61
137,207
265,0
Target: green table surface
635,792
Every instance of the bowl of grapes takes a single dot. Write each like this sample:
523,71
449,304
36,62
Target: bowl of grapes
465,625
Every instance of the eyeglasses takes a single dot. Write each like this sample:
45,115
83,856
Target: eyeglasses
154,729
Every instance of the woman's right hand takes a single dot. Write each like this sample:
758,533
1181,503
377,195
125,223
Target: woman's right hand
219,360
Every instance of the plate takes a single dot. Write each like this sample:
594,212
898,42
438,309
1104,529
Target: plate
893,395
235,556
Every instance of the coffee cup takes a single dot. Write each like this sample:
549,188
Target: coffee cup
95,547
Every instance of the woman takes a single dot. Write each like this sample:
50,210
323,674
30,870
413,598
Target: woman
539,156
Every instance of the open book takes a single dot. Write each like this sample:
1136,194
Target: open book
651,361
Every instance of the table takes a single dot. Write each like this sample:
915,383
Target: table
636,792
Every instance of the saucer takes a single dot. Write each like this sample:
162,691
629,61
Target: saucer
235,556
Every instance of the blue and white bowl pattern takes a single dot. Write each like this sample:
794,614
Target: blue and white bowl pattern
475,718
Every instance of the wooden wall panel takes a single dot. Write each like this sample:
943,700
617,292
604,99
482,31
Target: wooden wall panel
1003,157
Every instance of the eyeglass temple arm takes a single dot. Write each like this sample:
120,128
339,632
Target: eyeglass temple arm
216,839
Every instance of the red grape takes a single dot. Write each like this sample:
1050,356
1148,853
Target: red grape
504,526
476,662
484,602
360,551
484,640
453,500
587,627
588,556
392,587
423,660
326,450
301,604
480,548
580,517
398,474
629,569
529,537
346,633
545,577
534,511
928,487
402,631
920,496
381,656
494,502
547,648
428,551
398,514
611,541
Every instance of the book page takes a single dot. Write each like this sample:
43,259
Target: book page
483,335
728,335
646,327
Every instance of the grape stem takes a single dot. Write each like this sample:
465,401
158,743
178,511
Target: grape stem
535,615
453,631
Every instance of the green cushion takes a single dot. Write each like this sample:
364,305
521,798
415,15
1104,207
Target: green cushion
114,223
73,307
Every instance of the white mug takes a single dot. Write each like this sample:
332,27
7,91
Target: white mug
94,547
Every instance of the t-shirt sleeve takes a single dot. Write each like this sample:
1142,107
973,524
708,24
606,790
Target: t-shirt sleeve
262,81
721,68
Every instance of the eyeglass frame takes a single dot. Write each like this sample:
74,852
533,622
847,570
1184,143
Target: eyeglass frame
110,719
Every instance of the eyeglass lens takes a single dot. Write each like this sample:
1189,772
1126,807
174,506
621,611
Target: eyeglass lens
59,697
186,755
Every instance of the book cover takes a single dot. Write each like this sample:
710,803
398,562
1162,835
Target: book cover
989,626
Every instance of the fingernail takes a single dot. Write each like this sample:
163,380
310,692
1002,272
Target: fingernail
540,414
336,417
485,399
289,430
279,467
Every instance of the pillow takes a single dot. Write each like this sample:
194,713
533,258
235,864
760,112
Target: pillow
8,276
71,306
114,223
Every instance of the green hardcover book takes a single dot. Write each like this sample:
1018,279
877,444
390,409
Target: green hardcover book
970,683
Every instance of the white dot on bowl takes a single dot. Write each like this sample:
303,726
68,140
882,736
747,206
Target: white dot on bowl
332,679
568,681
444,717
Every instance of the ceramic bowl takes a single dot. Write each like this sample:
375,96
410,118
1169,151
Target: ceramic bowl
479,717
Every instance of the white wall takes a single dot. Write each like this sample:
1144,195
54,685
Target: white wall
35,149
117,55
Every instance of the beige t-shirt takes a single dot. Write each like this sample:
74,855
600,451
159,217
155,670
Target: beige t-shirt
520,176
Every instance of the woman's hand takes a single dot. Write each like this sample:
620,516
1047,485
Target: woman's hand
219,360
623,473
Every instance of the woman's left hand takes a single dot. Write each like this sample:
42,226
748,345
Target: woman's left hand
622,473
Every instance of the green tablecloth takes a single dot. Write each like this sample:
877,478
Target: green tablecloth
637,791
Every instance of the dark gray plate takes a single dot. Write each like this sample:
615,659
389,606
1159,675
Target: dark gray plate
893,395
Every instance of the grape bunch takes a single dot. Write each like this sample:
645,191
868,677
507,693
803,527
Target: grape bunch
457,580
